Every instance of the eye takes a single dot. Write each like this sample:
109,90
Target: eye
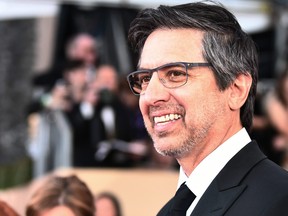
144,78
175,73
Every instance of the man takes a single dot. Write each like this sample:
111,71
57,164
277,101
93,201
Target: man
82,46
197,82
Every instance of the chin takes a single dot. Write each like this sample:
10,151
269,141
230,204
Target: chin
166,149
173,147
160,145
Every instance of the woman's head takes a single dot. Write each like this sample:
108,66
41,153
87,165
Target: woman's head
107,204
7,210
58,194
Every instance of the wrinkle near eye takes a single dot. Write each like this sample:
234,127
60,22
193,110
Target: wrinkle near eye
162,80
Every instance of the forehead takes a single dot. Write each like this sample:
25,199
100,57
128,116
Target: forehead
58,210
172,45
77,70
106,72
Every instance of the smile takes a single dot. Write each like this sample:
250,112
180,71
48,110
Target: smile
166,118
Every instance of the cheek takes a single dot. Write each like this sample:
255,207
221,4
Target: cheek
142,106
201,105
145,113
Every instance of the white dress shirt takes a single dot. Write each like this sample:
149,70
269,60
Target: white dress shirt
209,167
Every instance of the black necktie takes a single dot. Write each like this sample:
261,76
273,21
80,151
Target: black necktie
181,201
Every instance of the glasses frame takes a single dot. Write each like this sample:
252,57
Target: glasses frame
188,65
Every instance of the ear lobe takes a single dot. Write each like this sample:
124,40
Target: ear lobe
239,91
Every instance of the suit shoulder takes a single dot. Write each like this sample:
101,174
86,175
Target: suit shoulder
270,172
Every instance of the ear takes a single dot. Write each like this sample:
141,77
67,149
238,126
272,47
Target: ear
239,91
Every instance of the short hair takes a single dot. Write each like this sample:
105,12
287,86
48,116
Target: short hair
62,191
226,46
71,65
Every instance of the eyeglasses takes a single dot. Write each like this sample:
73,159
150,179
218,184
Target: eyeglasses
171,75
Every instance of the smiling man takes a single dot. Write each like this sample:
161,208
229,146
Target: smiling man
196,78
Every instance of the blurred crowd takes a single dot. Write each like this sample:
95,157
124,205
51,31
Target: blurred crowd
86,116
270,122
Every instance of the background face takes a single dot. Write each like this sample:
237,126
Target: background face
58,211
105,207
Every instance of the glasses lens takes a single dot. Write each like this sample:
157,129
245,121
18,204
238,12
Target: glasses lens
139,81
173,75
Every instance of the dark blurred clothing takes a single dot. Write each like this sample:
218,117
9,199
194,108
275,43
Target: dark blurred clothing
91,135
266,134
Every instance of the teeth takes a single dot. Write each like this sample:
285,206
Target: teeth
169,117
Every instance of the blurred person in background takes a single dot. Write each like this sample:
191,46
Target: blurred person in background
68,91
82,120
263,131
76,80
107,204
52,144
6,210
64,88
113,130
276,104
61,196
81,46
82,96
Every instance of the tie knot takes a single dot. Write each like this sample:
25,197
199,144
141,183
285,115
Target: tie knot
182,200
183,188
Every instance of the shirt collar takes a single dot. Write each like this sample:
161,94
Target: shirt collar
209,167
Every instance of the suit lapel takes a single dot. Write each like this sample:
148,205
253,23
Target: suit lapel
165,209
227,187
216,203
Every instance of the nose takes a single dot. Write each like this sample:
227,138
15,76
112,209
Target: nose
155,92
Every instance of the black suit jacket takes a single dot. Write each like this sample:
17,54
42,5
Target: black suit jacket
249,185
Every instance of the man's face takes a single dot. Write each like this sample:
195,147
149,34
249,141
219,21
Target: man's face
199,103
84,48
106,78
86,51
78,77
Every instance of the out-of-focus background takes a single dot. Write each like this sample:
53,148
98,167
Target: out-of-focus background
50,122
